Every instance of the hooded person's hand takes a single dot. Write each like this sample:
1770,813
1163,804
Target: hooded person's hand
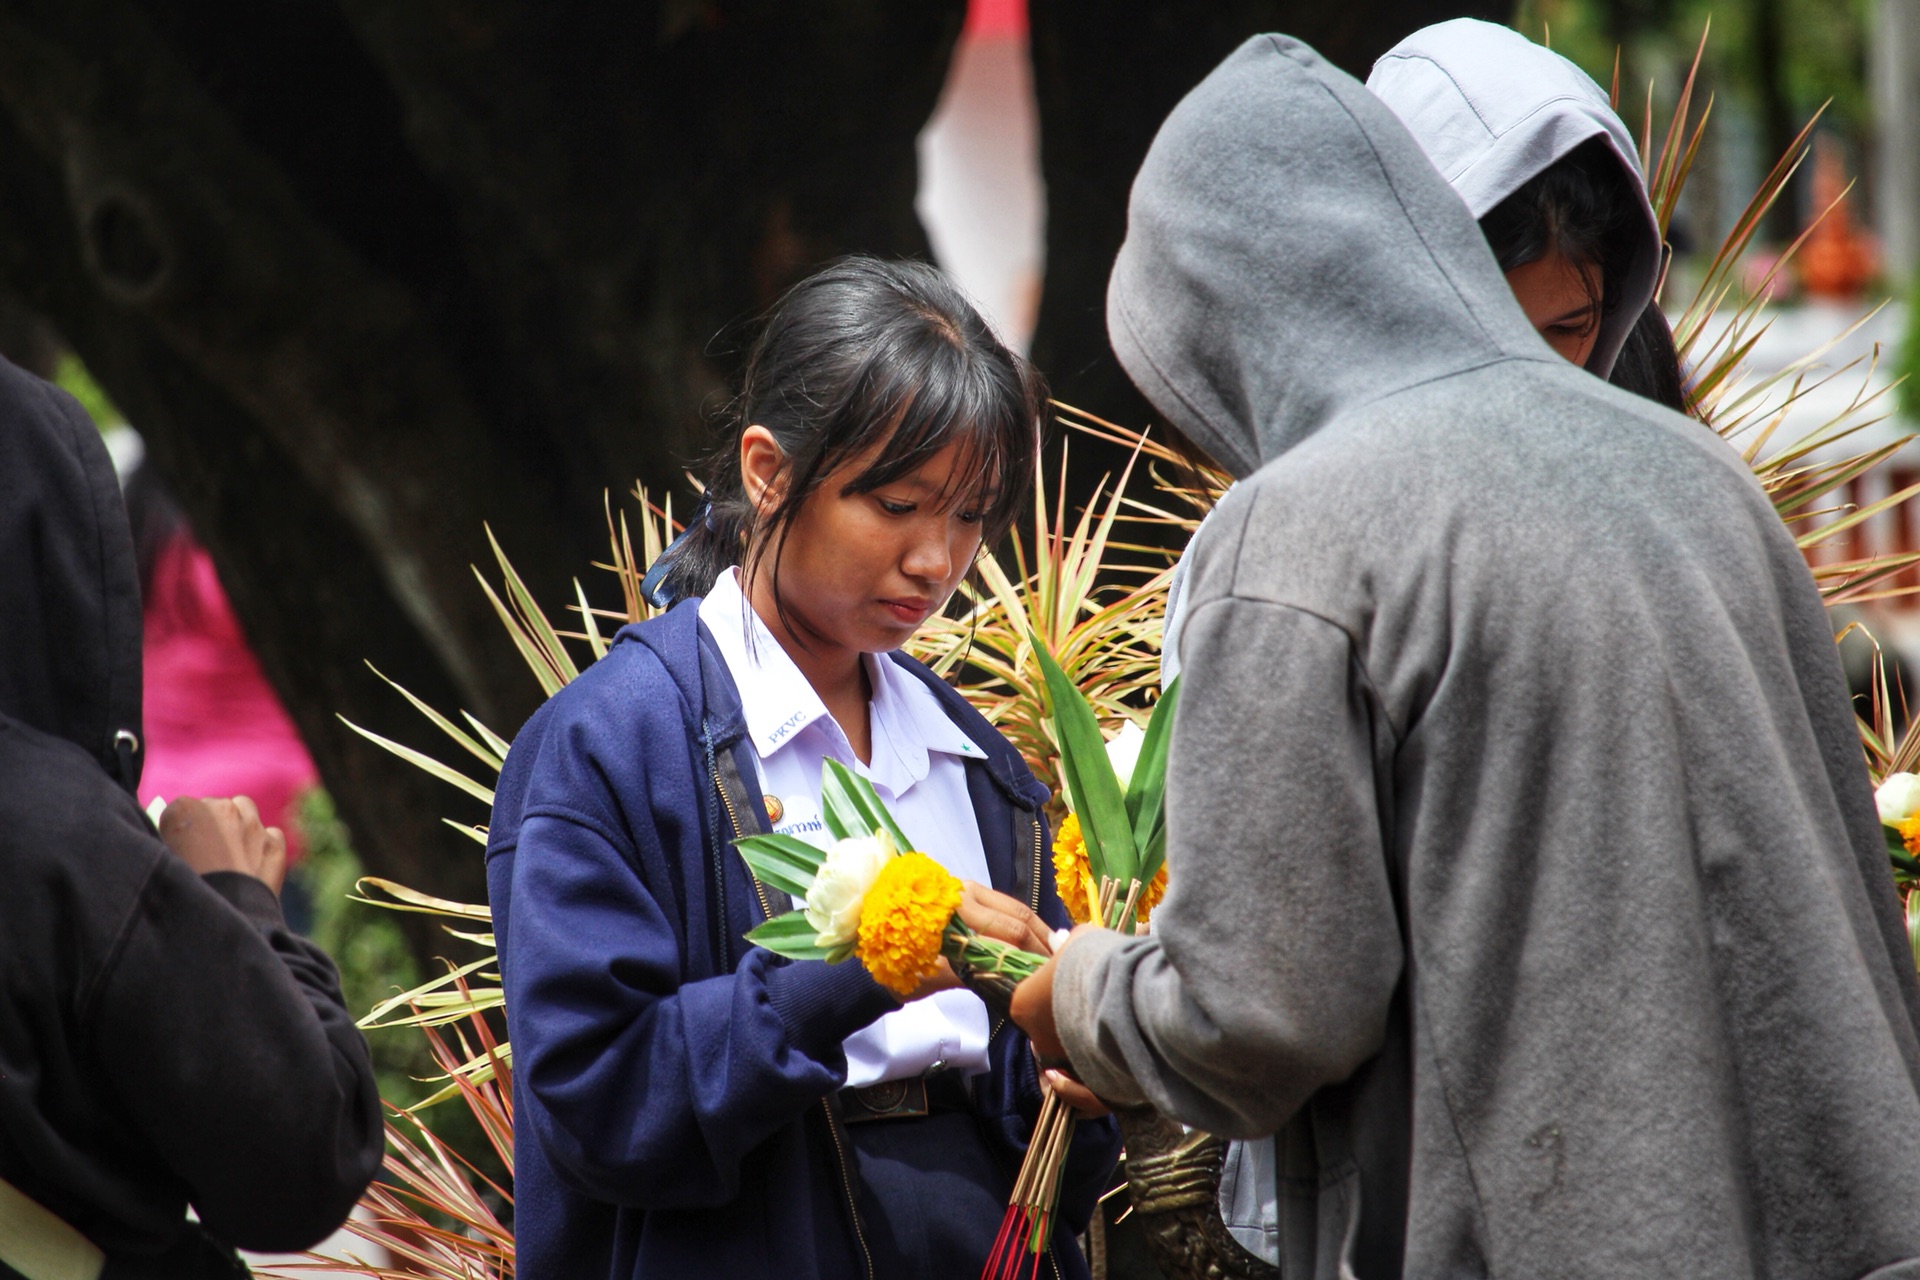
225,835
1032,1012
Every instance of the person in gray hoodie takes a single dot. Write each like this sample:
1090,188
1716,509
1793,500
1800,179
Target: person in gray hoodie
1526,881
1534,149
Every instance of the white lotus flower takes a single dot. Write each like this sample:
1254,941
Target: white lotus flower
833,903
1898,798
1123,751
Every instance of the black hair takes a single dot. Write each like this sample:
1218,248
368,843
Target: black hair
1582,206
1648,365
864,353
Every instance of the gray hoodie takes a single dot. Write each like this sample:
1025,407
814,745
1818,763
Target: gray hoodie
1492,110
1525,874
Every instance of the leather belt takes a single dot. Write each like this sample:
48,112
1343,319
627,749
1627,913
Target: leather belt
905,1099
40,1244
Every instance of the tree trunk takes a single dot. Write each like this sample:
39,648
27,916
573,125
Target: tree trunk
368,276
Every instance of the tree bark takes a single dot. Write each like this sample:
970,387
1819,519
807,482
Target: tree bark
1107,72
369,276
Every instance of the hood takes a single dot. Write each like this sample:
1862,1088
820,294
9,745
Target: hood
1290,255
1491,109
69,593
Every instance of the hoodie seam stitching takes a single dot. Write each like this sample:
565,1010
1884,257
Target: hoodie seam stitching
1346,634
1598,131
1133,332
90,995
1412,222
574,817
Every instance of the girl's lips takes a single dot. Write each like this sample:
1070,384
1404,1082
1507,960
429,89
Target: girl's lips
911,612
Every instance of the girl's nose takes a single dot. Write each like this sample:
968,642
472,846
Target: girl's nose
930,556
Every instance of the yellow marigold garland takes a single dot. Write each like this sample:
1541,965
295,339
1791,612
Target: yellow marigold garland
903,921
1910,834
1072,878
1150,896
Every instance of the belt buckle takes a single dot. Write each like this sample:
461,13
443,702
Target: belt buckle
888,1100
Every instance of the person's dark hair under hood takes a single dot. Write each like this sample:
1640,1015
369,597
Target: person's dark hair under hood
1579,205
862,354
1582,206
1648,365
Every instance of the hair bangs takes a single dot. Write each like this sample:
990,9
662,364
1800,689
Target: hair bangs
952,401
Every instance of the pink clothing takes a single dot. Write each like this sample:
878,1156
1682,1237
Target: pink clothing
214,726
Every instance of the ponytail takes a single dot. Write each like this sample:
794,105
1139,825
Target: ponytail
708,546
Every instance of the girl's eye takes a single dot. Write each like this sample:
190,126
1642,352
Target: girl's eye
968,517
895,508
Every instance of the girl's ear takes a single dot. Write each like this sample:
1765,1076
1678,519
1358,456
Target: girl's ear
763,467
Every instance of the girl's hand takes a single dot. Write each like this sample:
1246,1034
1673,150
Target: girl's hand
1032,1012
993,914
941,979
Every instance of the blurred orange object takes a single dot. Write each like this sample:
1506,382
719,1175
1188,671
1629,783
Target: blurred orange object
1838,258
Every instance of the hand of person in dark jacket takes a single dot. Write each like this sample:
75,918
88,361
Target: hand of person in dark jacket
225,835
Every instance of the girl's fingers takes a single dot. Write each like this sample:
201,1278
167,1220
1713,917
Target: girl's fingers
1007,919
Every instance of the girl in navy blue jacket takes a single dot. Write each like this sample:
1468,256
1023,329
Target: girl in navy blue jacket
688,1104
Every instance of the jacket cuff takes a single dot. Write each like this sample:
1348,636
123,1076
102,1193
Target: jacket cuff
1080,976
249,895
822,1004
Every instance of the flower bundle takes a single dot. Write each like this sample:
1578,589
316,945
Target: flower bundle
871,896
1898,799
1109,857
1109,861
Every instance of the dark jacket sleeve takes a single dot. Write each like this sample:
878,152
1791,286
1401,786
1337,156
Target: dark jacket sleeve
650,1090
649,1076
226,1040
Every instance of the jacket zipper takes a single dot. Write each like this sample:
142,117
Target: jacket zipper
833,1126
1033,904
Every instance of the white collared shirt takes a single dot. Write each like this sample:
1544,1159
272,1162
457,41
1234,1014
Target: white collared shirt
918,770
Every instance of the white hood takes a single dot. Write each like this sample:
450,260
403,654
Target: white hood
1492,109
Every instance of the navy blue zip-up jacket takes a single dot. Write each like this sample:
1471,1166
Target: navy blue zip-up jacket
670,1078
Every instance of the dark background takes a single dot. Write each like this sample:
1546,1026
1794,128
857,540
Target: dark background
368,275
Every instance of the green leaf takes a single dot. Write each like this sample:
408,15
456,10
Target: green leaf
483,752
838,809
790,935
1147,789
1154,852
420,760
1091,783
787,863
858,794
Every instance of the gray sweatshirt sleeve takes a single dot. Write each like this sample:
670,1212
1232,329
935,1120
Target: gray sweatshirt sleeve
1277,951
